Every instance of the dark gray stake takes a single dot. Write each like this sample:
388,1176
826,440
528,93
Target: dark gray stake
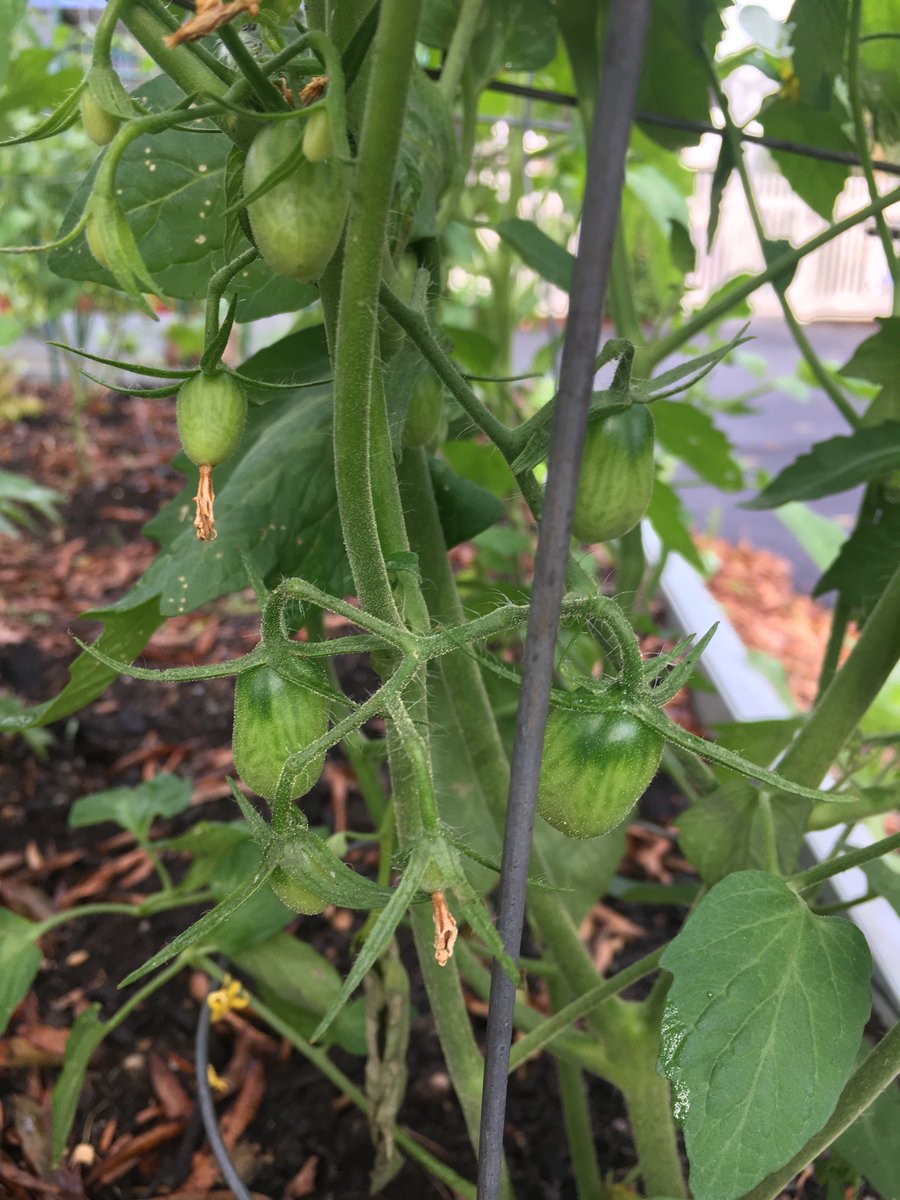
208,1111
622,54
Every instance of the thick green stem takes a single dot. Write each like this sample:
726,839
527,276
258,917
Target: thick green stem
460,47
576,1115
186,69
863,1088
862,149
356,337
850,693
820,373
662,348
649,1107
464,1062
836,866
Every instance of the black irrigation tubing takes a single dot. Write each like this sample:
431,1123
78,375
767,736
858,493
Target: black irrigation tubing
687,125
622,56
208,1111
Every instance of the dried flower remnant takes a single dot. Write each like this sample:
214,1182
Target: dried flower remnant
210,16
445,930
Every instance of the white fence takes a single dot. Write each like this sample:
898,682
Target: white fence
847,279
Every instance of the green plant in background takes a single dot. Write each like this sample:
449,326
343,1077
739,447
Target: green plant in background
323,493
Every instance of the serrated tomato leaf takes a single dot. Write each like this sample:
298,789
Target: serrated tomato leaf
834,466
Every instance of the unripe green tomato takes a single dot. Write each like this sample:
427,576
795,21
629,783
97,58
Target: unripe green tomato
295,894
95,244
297,224
100,126
274,718
616,479
210,411
424,413
317,144
595,768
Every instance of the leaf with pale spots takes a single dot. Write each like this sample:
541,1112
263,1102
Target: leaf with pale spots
171,187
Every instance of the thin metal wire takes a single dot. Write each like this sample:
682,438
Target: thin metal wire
208,1111
687,125
622,56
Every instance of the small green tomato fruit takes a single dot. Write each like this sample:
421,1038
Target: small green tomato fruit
273,718
595,768
100,126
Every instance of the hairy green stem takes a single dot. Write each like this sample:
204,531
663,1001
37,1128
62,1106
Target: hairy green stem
850,693
661,348
356,336
813,876
577,1117
862,149
319,1058
862,1089
460,47
649,1108
820,373
464,1062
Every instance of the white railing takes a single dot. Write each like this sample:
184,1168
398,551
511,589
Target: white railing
847,279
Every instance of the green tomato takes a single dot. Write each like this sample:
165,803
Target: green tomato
423,416
273,718
100,126
317,144
95,244
210,411
295,894
296,224
595,768
616,479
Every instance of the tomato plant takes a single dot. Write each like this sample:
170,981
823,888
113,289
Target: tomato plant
395,487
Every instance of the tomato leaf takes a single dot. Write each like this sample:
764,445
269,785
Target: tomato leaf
760,1028
84,1037
133,808
668,517
834,466
725,831
815,181
20,957
538,251
878,357
126,631
690,434
866,561
464,508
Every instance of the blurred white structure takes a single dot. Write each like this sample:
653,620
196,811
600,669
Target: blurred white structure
847,279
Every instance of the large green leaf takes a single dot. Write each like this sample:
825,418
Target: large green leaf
20,957
691,435
126,631
171,186
867,560
133,808
835,466
519,35
464,508
760,1029
816,182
